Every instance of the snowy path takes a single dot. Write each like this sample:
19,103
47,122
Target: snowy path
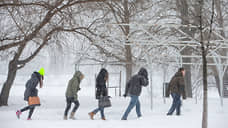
50,114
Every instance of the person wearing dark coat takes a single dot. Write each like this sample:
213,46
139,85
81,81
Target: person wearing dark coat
30,91
133,89
177,88
101,90
72,94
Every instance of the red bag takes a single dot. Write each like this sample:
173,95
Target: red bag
34,100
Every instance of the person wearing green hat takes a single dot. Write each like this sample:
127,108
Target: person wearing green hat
31,91
41,71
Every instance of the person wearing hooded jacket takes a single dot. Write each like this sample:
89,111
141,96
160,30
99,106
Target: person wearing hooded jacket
72,94
31,84
133,89
177,88
101,90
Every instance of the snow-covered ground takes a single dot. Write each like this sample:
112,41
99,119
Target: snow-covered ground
50,113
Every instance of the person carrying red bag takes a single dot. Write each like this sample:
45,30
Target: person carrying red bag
31,93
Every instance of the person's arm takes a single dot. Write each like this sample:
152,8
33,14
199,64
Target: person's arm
171,83
75,85
127,88
103,88
182,87
168,90
41,83
144,81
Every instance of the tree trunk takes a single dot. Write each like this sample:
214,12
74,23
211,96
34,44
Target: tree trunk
205,102
217,83
216,76
188,80
129,63
225,80
204,49
128,53
182,6
12,70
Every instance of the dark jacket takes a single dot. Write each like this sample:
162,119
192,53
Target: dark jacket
134,85
31,86
74,86
101,89
177,85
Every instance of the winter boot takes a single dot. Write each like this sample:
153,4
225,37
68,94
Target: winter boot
123,119
29,119
18,113
72,116
140,118
103,118
91,114
65,117
178,113
169,114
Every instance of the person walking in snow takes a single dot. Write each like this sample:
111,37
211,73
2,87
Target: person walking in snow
177,88
31,91
101,91
133,89
72,94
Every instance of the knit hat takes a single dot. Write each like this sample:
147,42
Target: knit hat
41,71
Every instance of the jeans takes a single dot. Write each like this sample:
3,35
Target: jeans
134,102
101,109
31,110
69,102
176,104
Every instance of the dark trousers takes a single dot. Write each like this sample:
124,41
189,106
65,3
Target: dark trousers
31,110
69,101
176,104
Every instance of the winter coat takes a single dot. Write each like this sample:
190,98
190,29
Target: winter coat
74,86
134,85
177,85
31,86
101,89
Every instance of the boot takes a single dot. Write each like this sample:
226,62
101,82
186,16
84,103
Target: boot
178,114
103,118
72,116
65,117
91,114
18,113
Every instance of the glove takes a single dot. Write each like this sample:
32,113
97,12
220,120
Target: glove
184,97
125,95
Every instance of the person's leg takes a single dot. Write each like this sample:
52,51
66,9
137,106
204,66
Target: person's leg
102,113
178,111
76,106
31,112
74,110
25,109
19,112
96,110
68,106
129,108
91,114
138,108
174,104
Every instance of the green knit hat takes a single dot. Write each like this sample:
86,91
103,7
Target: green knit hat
41,71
